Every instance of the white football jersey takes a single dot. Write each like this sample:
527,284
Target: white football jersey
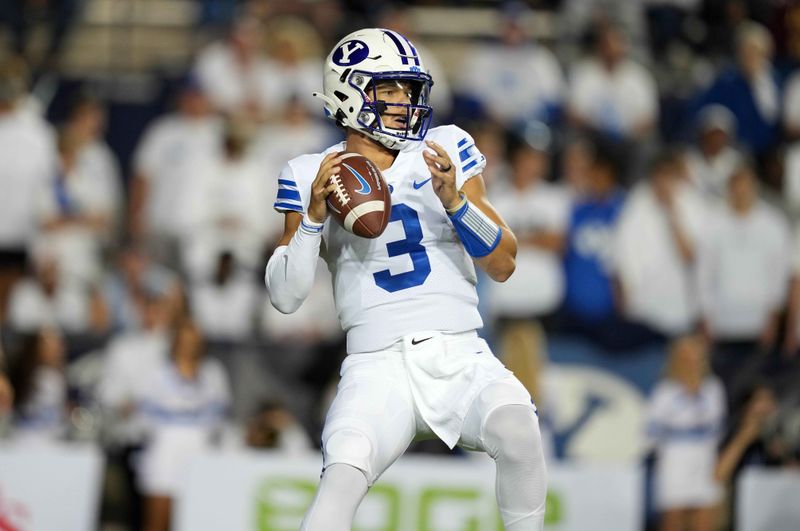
417,275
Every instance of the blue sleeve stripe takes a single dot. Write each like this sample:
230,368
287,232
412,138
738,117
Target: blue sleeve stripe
462,142
297,201
287,182
466,153
279,205
287,193
470,166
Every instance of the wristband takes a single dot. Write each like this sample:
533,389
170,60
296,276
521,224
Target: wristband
479,234
459,206
310,227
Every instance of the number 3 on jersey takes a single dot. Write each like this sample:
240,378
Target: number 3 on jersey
410,246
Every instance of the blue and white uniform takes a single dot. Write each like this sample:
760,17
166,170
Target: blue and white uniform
181,418
416,275
408,303
685,430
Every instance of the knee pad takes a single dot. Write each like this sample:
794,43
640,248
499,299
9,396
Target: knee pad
513,432
350,446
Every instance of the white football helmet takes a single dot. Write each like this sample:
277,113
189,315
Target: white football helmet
353,69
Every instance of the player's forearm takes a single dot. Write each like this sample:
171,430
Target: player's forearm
501,262
290,271
485,235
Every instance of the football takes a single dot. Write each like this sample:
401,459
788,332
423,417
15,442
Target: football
361,201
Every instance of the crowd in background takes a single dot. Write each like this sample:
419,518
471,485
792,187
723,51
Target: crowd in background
647,160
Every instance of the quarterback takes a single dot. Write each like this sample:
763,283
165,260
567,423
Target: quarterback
416,366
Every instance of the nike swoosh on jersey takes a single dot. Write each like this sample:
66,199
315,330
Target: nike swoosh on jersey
417,185
415,342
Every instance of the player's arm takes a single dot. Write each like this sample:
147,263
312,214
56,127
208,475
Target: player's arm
485,235
291,268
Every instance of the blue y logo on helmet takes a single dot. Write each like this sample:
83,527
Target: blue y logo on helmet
350,53
365,187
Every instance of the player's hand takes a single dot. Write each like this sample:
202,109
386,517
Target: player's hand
322,187
443,174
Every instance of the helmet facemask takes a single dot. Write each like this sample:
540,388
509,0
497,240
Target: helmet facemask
412,119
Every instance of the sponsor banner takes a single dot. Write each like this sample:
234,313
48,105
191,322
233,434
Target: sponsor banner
766,500
252,491
49,488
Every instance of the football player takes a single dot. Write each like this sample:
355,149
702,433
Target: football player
416,366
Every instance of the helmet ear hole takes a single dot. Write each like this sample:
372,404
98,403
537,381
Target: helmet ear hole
341,95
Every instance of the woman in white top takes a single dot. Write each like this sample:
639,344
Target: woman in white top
684,422
183,407
75,213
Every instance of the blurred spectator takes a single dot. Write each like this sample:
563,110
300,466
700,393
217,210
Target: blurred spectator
397,17
296,131
27,161
537,212
234,72
672,24
791,339
713,159
514,81
183,407
75,213
225,303
47,299
750,90
57,15
274,427
590,304
86,122
129,284
611,93
751,439
131,359
685,422
748,441
791,123
658,237
490,139
294,63
170,154
745,269
228,213
40,389
578,17
576,166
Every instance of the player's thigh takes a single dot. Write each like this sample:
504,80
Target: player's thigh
505,391
371,421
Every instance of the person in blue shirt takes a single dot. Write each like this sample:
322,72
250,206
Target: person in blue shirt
589,296
591,307
751,90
